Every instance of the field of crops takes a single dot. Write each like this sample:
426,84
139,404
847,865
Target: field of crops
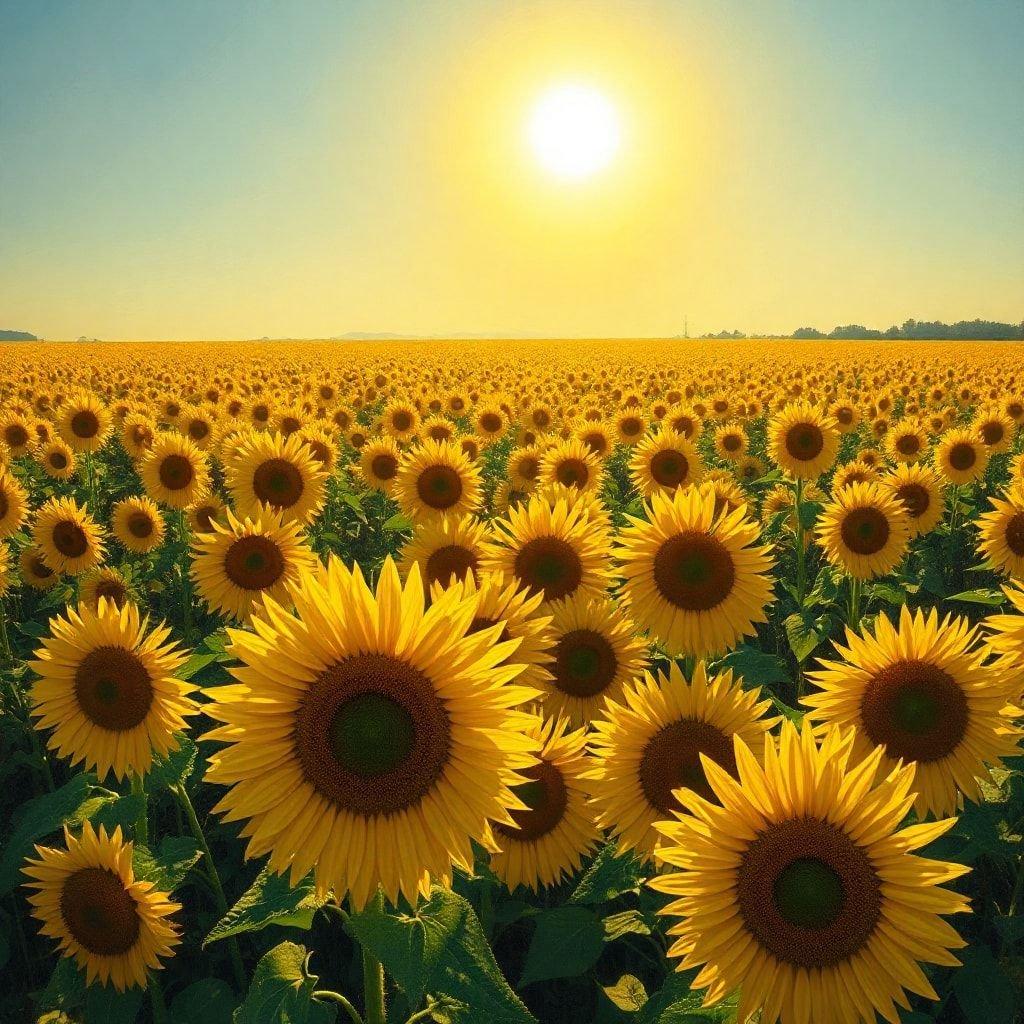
613,682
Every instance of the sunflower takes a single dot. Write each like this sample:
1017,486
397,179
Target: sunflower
864,530
961,457
855,472
378,464
437,428
233,566
16,433
84,422
34,570
906,442
664,462
696,580
684,421
922,693
995,430
519,613
489,421
445,547
846,414
114,926
728,495
13,504
174,471
102,582
138,524
138,432
67,536
57,459
572,464
209,509
650,745
920,490
731,442
750,468
630,426
401,420
6,576
198,425
437,479
556,832
280,472
597,437
797,889
524,467
803,441
383,738
287,420
595,654
551,548
107,689
1006,635
1002,533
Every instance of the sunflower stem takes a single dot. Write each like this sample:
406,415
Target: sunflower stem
5,643
142,821
218,890
183,565
373,976
853,619
801,556
337,997
156,1000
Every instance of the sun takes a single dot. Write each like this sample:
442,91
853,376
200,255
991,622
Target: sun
574,131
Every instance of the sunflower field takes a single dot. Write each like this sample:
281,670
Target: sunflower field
605,683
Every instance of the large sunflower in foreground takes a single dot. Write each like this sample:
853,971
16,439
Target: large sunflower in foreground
234,565
13,504
174,471
650,745
279,472
664,462
864,530
68,537
1006,636
551,548
107,689
803,440
116,927
1002,533
437,478
556,831
798,889
595,652
923,694
696,580
369,737
445,547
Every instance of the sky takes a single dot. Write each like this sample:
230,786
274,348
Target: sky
248,169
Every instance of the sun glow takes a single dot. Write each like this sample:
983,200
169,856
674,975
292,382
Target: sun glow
574,131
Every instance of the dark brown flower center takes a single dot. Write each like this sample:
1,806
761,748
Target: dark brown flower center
401,420
176,472
113,688
5,504
992,431
545,795
99,912
58,460
16,435
85,424
112,590
372,735
732,442
439,487
384,467
254,563
70,539
669,468
549,565
39,568
140,525
915,710
1015,534
671,760
845,415
490,422
962,456
596,441
908,444
572,473
451,560
198,429
142,436
585,663
631,425
915,499
804,441
865,531
278,482
694,571
528,467
808,893
289,424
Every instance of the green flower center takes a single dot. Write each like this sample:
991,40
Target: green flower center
808,893
371,735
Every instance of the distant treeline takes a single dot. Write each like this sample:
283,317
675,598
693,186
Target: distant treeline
935,330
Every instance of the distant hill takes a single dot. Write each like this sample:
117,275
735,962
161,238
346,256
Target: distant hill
927,330
17,336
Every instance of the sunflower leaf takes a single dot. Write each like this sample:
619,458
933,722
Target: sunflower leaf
282,991
209,1000
608,876
991,598
566,943
174,768
982,989
803,635
269,900
168,867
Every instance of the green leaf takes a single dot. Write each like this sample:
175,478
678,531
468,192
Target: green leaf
40,817
803,635
566,943
756,667
985,596
629,922
210,1000
198,661
270,900
888,593
608,876
36,630
1011,929
104,1003
122,810
282,991
397,522
168,868
809,512
628,993
982,989
441,949
174,768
